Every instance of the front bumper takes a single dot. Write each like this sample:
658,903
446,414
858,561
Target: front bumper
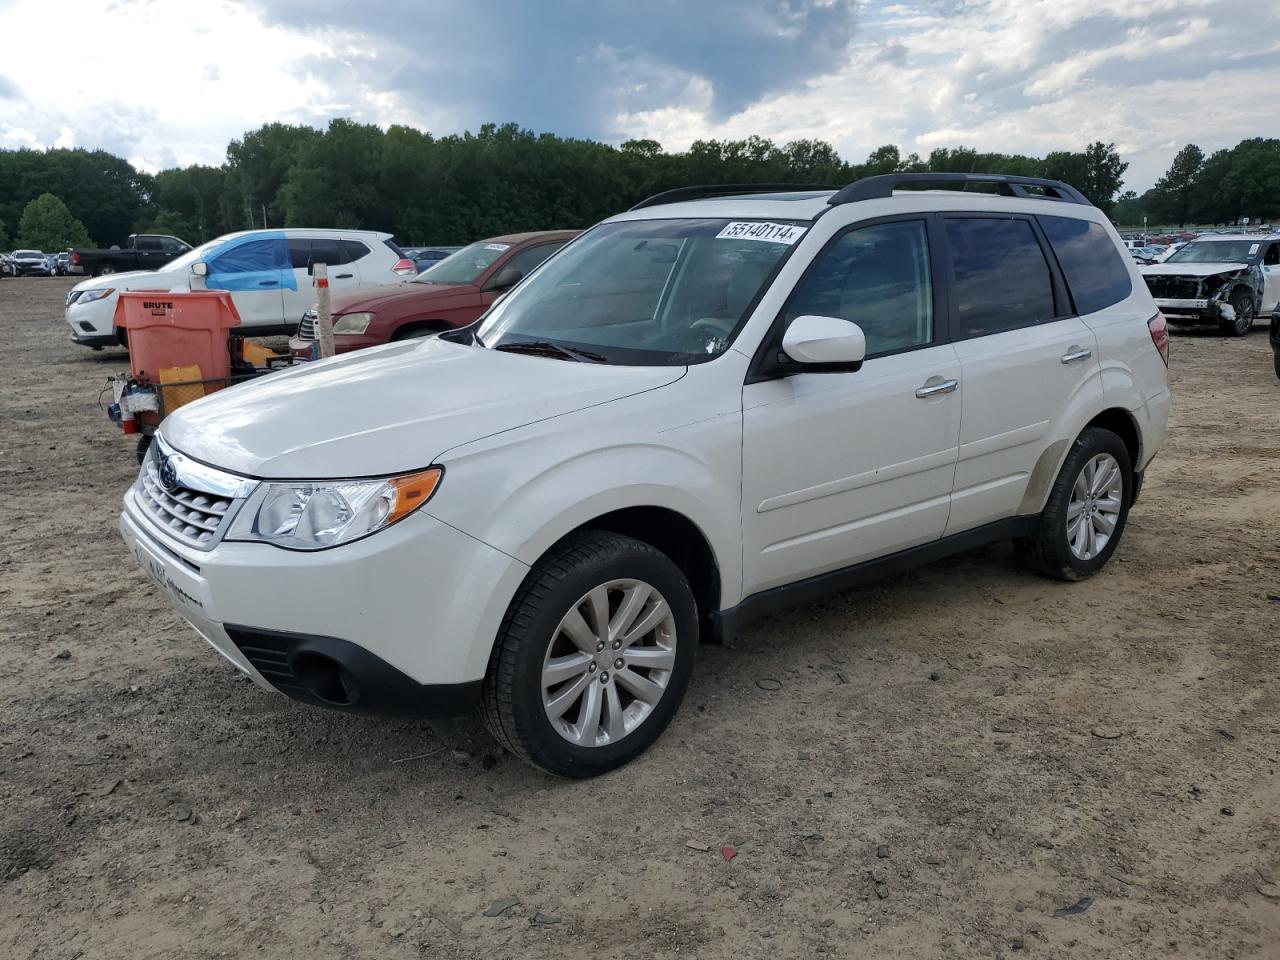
1188,310
401,622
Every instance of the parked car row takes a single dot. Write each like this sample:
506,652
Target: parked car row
1225,279
33,263
693,414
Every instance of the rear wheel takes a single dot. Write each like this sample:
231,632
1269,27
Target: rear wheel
1242,304
105,270
593,656
1085,515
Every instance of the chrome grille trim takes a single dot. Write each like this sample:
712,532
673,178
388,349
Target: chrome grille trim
198,508
307,328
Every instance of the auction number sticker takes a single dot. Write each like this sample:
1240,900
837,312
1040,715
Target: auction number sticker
497,246
787,233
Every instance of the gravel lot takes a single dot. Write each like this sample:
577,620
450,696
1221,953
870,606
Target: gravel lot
1011,745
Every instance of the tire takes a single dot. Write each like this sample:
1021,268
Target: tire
1275,359
105,271
1050,549
1242,303
516,707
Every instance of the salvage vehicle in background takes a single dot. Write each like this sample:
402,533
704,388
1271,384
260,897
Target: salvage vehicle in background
30,263
1275,338
267,272
698,412
142,251
450,294
1227,279
426,257
7,267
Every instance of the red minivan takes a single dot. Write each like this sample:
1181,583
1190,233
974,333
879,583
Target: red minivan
452,293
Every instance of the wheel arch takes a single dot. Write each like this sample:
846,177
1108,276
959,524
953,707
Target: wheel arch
681,540
1115,419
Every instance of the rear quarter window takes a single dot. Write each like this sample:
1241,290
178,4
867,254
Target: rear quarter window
353,250
1095,273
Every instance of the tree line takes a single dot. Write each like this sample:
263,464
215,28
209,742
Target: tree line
452,189
1223,187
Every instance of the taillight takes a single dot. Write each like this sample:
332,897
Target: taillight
405,267
75,257
1159,328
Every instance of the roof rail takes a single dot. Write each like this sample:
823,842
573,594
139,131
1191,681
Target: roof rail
882,187
725,189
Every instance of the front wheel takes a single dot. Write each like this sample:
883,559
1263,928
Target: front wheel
105,271
1242,306
593,657
1085,515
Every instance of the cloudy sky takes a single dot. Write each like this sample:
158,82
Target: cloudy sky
165,82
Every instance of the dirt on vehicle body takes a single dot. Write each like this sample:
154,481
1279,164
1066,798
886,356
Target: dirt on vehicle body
1015,746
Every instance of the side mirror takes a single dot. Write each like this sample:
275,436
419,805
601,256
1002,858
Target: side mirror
200,268
824,344
506,279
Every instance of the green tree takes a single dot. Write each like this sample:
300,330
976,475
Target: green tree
4,236
47,224
1175,191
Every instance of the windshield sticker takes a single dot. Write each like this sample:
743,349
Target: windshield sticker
769,232
1253,248
497,246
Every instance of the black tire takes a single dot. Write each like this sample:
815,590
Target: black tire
1047,550
1242,303
512,705
144,444
105,271
1275,359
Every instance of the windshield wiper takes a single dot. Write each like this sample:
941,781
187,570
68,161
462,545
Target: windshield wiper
548,346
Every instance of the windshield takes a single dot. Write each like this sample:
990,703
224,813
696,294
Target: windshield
647,292
27,254
465,265
1216,251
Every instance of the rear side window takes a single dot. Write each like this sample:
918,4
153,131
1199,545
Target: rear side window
353,250
1095,274
1002,280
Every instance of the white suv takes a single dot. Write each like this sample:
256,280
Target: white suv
267,273
695,413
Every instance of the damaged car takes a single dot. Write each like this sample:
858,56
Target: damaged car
1224,279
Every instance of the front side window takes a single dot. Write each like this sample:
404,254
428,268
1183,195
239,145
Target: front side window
1272,257
643,291
172,245
1095,274
1002,279
876,277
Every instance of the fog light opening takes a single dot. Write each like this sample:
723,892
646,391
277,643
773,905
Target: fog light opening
326,679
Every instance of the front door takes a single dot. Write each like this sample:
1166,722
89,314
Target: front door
1270,277
255,272
844,467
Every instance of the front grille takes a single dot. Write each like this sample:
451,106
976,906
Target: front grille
192,516
307,328
1174,288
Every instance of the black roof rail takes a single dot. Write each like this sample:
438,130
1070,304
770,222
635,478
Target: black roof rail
882,187
726,189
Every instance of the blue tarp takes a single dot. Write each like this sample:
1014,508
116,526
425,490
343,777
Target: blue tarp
259,261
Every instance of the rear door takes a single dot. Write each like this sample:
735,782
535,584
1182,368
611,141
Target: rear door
1025,357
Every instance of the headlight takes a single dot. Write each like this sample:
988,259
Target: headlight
88,296
313,515
352,323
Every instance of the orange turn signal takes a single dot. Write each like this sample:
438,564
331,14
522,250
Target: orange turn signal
412,491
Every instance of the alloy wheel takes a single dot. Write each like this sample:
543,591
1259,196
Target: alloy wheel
1094,508
609,662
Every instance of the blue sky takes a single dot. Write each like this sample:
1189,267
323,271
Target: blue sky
169,81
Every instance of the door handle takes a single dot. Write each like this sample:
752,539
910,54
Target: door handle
268,283
931,389
344,276
1076,353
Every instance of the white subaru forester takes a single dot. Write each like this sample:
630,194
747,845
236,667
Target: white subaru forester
697,412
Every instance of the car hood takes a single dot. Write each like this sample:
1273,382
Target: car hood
136,280
390,409
381,298
1191,269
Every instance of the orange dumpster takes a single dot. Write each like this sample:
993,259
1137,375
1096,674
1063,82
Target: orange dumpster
185,329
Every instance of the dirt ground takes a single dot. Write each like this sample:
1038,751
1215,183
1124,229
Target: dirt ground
945,759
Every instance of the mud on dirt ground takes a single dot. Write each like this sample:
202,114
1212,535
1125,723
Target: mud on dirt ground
1012,746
